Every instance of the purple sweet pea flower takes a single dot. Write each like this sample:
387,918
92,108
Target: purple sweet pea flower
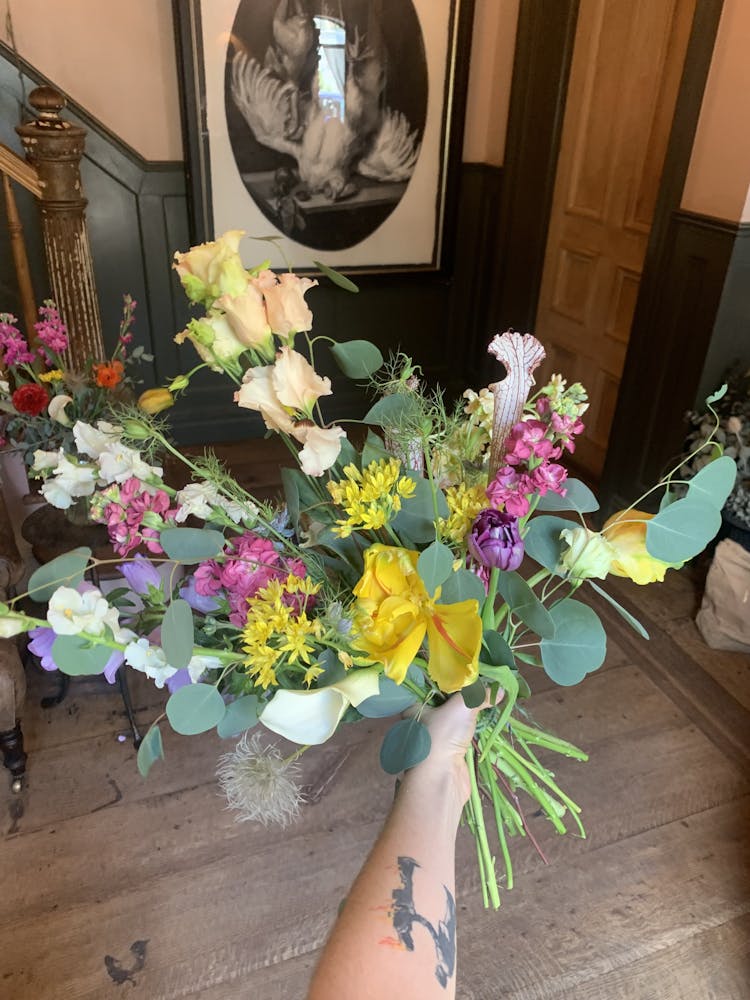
198,602
42,640
179,680
141,574
494,540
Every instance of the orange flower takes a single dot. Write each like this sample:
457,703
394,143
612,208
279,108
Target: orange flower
109,374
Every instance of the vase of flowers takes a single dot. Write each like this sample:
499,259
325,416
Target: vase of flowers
447,554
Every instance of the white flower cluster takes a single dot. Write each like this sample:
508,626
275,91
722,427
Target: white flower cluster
198,499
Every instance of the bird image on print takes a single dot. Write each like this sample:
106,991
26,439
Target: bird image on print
326,102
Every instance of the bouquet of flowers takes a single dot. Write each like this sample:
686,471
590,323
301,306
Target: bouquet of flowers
41,397
443,554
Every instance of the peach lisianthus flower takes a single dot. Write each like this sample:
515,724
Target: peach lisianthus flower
296,382
213,269
288,313
321,446
214,340
258,393
246,315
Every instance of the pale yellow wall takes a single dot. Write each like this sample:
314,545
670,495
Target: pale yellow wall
718,180
493,45
116,58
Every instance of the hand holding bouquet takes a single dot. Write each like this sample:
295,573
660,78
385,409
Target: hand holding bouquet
429,560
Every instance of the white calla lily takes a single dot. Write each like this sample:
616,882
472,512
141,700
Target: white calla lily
56,409
311,717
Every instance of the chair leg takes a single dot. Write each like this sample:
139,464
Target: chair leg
14,758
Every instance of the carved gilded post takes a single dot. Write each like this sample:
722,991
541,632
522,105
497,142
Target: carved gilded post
54,147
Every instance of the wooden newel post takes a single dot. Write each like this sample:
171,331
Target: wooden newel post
54,147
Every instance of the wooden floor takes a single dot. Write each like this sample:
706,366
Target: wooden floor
114,886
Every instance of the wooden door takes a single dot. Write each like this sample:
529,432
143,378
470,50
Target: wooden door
626,69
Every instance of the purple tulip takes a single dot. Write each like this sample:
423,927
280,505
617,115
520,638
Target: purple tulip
141,574
494,540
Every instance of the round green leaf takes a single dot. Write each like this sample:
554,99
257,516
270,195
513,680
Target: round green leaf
714,482
195,708
524,603
577,497
78,657
392,410
392,700
474,694
191,545
177,634
240,715
463,585
682,530
357,358
405,745
65,571
542,539
578,646
434,565
150,750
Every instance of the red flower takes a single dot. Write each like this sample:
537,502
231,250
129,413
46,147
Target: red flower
30,398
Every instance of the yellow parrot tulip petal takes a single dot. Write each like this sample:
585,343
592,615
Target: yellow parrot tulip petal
454,633
626,534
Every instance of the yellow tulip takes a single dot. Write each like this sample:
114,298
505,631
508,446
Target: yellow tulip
394,613
155,400
626,533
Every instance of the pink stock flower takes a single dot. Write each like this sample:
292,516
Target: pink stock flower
124,516
528,439
50,329
13,348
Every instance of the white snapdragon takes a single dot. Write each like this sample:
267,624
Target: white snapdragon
150,660
199,665
198,499
45,461
70,613
67,482
117,463
92,440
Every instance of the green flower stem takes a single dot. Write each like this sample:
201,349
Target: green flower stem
542,574
518,775
490,878
433,487
500,615
545,776
489,780
546,740
488,608
508,706
480,859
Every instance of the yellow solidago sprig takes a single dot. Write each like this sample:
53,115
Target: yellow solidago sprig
370,498
464,503
280,635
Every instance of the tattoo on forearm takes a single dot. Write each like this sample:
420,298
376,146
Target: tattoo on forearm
404,916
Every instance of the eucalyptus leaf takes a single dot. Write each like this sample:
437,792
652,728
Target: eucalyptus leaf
374,449
405,745
578,646
474,694
150,750
435,565
78,657
682,530
630,619
65,571
392,700
668,498
291,495
542,539
191,545
195,708
177,634
357,358
499,652
338,279
240,715
714,482
348,455
524,603
417,514
577,497
716,396
392,410
333,669
463,585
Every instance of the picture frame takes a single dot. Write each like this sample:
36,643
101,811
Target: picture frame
334,127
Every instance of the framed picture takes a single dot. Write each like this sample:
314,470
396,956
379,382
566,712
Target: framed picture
335,125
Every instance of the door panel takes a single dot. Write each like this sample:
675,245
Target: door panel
623,86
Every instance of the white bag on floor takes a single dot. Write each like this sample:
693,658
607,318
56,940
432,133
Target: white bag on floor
724,617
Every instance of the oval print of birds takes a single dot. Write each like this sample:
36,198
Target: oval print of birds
326,102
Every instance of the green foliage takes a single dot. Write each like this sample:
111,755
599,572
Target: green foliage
716,396
417,515
714,482
150,750
374,449
195,708
682,530
463,585
577,497
434,565
177,634
474,694
524,603
191,545
405,745
578,646
390,411
64,571
542,539
497,651
357,358
392,700
630,619
338,279
78,657
240,715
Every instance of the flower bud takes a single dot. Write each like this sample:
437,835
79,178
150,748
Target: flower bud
153,520
10,626
179,383
588,555
494,540
153,401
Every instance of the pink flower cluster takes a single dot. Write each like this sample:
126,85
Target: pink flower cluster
249,564
51,331
127,511
564,425
13,347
